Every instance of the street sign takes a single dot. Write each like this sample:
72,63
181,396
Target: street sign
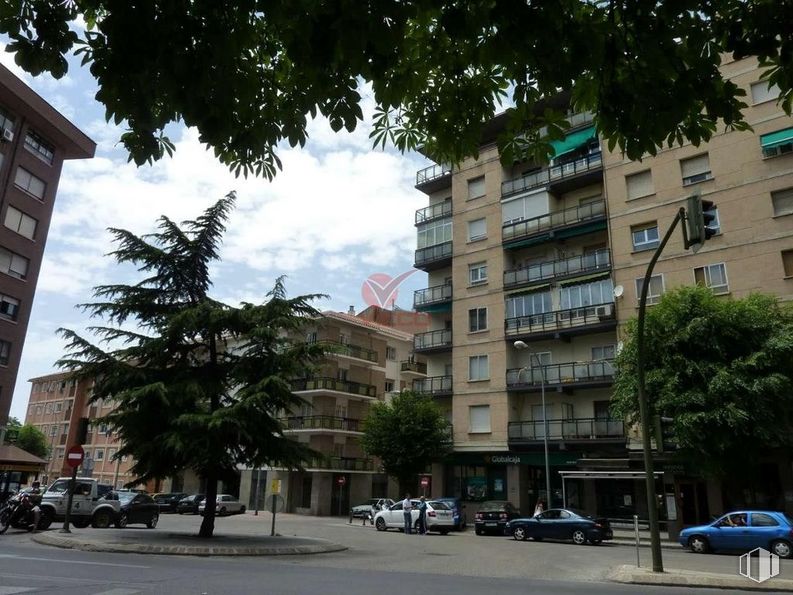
341,480
275,486
75,456
425,481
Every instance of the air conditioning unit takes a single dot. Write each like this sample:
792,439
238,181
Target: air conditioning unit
603,311
8,135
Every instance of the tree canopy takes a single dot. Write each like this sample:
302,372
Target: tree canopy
12,429
33,440
197,384
721,369
250,74
406,434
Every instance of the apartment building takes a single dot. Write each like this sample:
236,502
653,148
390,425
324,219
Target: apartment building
534,253
35,140
56,404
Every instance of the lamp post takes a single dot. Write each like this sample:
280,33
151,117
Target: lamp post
520,346
108,434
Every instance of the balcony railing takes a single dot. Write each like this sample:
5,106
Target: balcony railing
432,295
349,350
433,172
432,254
432,212
343,386
562,374
554,269
321,422
552,174
411,366
589,428
559,319
554,220
435,386
343,464
432,340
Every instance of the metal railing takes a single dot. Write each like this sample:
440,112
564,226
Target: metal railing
343,386
343,464
433,253
432,339
349,350
588,428
592,371
433,172
411,366
559,319
435,385
544,271
552,174
436,211
321,422
432,295
553,220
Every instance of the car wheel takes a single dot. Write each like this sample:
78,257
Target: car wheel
81,522
45,520
242,510
579,537
519,534
101,520
380,524
443,531
479,531
698,544
782,549
122,521
153,521
222,511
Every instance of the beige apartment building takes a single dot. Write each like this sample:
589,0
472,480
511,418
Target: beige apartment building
534,253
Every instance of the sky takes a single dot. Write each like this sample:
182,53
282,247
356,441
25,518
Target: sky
336,214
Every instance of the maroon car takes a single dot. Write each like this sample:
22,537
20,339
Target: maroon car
493,516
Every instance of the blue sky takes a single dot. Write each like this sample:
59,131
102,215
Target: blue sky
337,213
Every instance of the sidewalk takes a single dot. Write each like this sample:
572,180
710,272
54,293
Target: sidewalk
627,537
689,578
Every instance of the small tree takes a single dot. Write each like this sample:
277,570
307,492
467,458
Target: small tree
12,430
721,369
406,434
32,440
197,384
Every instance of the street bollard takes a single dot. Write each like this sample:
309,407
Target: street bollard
636,534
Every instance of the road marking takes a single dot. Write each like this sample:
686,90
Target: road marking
12,556
118,592
12,590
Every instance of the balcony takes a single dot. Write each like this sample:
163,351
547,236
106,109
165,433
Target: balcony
431,298
559,178
440,340
434,178
567,223
321,423
556,270
561,323
433,212
436,386
434,257
588,429
410,367
342,464
562,377
349,350
334,384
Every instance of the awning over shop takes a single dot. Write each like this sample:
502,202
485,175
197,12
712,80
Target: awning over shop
572,141
13,458
775,139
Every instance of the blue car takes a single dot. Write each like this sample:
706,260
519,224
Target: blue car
742,531
458,512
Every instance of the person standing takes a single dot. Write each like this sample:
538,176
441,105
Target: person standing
540,507
423,516
407,511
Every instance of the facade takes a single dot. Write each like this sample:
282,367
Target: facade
35,140
56,404
533,253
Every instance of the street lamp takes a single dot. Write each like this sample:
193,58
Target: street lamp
520,346
108,435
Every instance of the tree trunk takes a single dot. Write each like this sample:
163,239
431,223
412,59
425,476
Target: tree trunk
208,523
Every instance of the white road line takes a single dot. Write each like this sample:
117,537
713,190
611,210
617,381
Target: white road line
117,592
54,560
13,590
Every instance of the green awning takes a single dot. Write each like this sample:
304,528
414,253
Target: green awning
572,141
576,280
527,290
774,139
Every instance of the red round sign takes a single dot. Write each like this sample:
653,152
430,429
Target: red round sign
75,455
342,480
425,481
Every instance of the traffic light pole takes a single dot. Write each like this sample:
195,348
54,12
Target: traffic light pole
652,505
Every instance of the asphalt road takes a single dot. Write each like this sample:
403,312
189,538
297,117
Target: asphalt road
376,563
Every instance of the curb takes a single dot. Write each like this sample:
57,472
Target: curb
664,544
312,546
687,578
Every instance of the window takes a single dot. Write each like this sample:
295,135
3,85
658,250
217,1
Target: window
478,368
111,452
603,352
525,207
311,337
9,308
6,120
5,352
434,233
695,169
715,225
58,407
777,143
477,319
645,237
476,187
477,229
53,430
787,262
761,92
479,419
783,202
30,183
712,276
99,454
528,304
23,224
48,408
389,386
640,184
477,273
13,264
654,291
39,147
60,452
38,409
760,519
587,294
391,353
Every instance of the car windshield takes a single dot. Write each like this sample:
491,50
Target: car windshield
436,505
492,506
125,497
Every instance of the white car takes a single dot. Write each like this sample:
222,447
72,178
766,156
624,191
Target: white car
439,517
225,505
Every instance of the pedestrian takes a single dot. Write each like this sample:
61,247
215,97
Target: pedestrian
407,511
423,516
539,508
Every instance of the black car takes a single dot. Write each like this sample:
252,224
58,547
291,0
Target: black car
169,502
493,516
137,509
189,505
561,523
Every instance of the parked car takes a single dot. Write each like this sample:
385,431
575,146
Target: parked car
226,504
372,507
88,508
561,523
439,517
189,505
493,516
137,509
743,530
458,512
168,502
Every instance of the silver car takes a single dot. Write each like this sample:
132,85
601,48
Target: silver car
439,517
226,504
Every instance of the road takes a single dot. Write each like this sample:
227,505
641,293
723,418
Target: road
375,563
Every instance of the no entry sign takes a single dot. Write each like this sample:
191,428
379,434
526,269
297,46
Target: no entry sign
341,480
425,481
75,455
